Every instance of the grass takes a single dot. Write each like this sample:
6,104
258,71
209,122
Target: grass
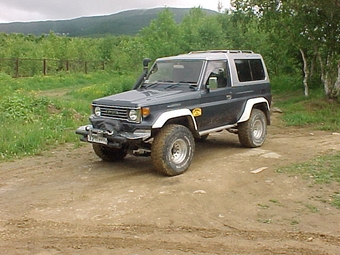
321,170
314,111
336,200
32,121
319,113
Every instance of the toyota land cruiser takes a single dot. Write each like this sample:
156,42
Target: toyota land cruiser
180,100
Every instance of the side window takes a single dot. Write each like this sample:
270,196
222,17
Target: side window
257,69
217,75
243,70
249,69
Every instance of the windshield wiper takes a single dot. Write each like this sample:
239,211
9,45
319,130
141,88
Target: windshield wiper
172,85
149,85
191,84
155,83
167,81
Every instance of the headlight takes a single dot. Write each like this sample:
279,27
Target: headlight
97,111
133,115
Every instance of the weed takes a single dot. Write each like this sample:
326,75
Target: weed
336,200
294,222
274,201
263,206
266,221
312,208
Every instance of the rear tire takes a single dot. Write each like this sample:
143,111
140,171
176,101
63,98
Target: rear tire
252,133
109,154
172,150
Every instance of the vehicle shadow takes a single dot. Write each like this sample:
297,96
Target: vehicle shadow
216,145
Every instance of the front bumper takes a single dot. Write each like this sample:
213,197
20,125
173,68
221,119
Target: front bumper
111,138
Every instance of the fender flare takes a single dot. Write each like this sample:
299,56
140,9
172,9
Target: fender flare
165,116
249,107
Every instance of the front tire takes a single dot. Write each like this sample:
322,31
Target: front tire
252,133
172,150
109,154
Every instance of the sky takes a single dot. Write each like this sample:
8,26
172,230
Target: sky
37,10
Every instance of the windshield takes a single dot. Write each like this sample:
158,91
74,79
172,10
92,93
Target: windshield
175,71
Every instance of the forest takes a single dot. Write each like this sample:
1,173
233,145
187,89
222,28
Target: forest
299,40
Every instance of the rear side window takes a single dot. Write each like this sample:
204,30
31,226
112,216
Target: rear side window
249,69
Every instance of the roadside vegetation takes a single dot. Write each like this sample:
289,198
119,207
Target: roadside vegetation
315,111
39,113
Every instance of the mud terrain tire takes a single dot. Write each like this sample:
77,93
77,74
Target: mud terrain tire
172,150
109,154
252,133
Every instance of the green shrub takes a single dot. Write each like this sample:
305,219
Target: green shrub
315,111
34,118
286,83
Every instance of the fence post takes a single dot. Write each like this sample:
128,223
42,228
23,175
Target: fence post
16,67
44,66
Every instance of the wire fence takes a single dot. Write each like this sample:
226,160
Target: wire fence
28,67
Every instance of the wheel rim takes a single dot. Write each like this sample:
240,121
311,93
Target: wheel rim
258,129
179,151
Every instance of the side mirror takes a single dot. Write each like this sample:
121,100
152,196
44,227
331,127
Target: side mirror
212,83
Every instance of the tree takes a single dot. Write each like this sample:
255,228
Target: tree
202,32
161,37
312,28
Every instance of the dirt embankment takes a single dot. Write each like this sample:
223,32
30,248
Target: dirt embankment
230,201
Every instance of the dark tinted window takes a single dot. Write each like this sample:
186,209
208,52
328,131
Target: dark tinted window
249,69
257,69
243,70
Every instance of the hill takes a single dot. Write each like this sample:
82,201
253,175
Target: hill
123,23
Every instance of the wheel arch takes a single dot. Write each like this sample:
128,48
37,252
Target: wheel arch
182,116
255,103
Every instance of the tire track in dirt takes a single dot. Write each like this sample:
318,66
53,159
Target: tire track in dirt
150,237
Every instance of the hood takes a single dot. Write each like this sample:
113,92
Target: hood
135,98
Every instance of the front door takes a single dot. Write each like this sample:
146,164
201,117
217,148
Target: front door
219,105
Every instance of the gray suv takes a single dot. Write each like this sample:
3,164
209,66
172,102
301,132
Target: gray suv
180,100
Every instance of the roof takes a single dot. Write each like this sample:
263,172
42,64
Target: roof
211,55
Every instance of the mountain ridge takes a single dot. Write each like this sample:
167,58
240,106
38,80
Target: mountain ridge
128,22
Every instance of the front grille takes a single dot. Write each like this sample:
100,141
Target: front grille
114,112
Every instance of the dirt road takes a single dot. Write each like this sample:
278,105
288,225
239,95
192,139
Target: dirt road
67,201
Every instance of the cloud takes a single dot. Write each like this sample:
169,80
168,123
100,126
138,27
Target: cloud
28,10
